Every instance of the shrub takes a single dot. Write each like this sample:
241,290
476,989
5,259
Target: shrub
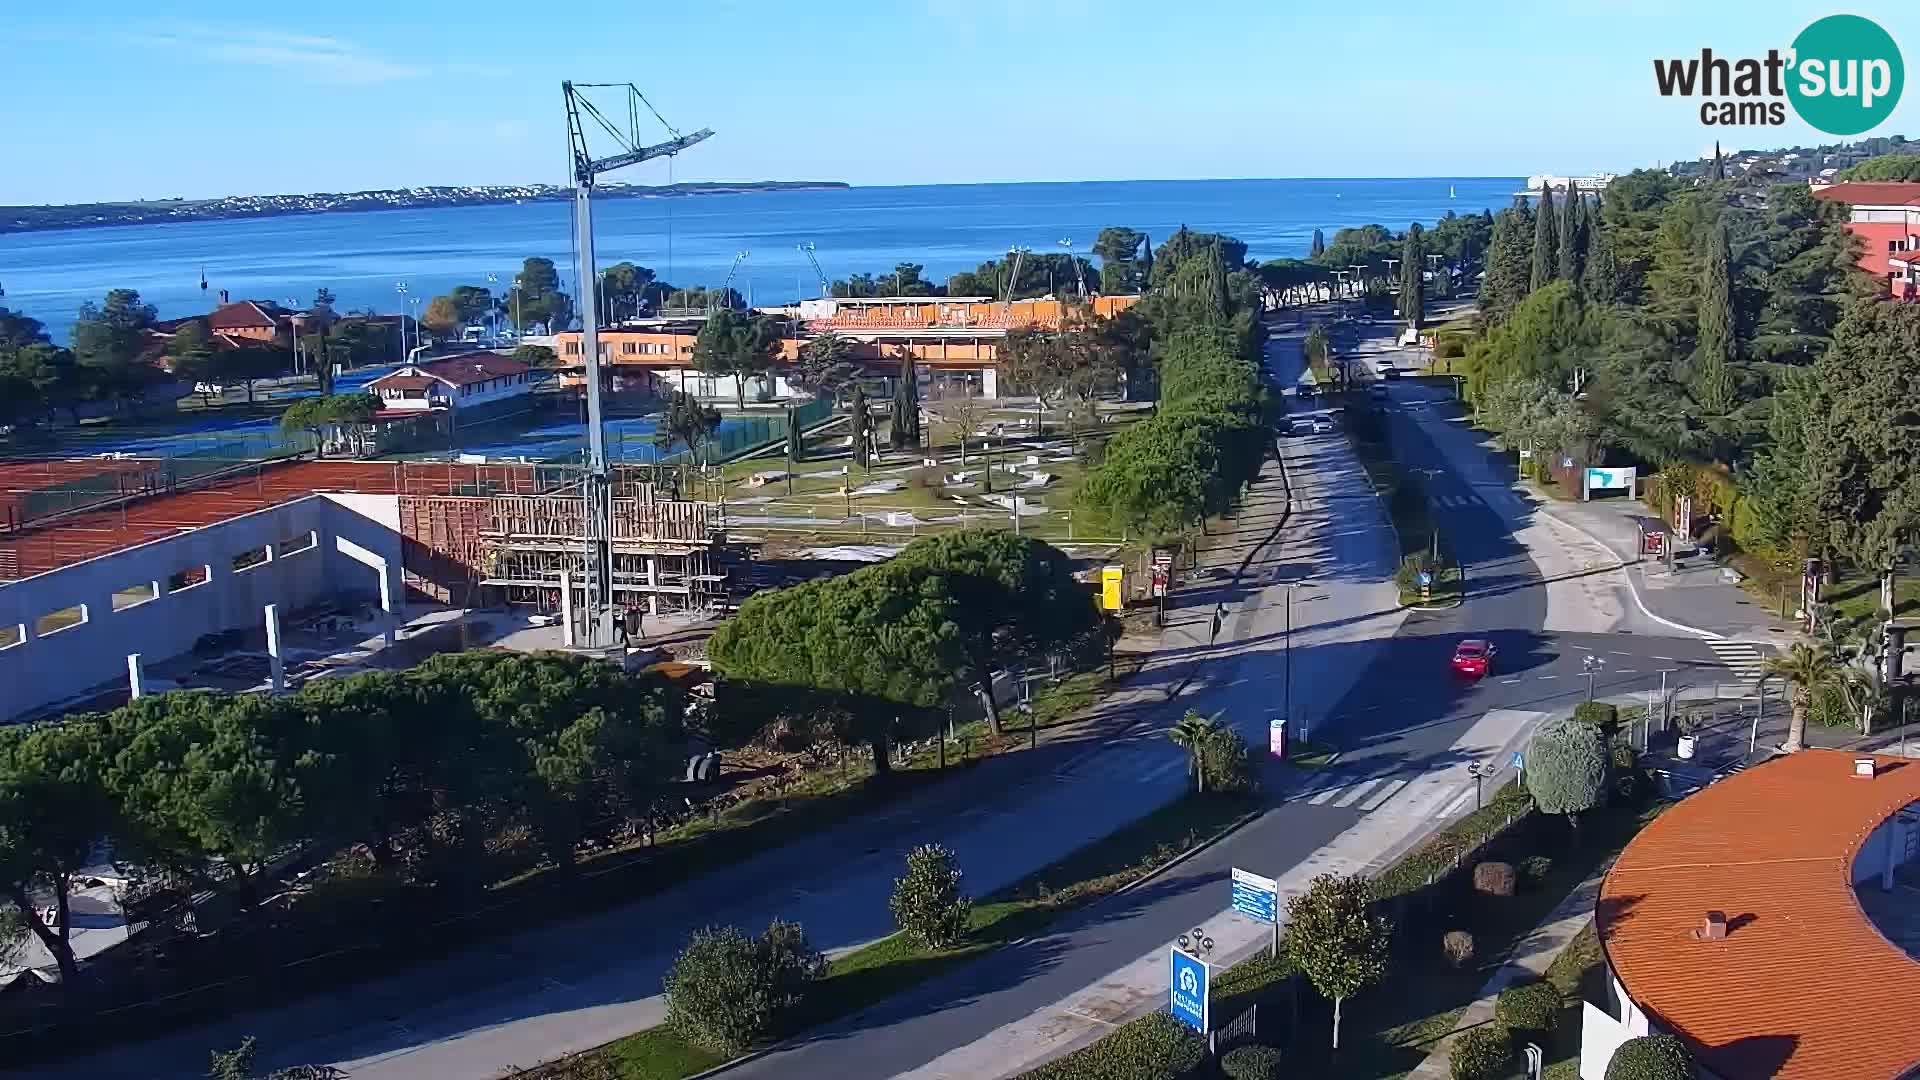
1154,1047
1493,879
927,903
1598,713
1651,1057
1534,870
1458,947
1227,762
727,991
1251,1063
1482,1053
1533,1006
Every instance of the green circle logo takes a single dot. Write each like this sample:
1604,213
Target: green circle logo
1847,75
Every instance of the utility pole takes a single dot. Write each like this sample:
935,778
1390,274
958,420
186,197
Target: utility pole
597,491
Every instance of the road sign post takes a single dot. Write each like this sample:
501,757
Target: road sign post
1520,766
1258,898
1187,987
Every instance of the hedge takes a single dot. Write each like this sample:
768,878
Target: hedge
1533,1006
1251,1063
1481,1053
1154,1047
1651,1057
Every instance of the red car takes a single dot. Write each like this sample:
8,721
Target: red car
1473,658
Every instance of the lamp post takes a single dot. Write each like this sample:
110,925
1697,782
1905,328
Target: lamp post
1287,651
1479,771
401,288
1591,664
1434,552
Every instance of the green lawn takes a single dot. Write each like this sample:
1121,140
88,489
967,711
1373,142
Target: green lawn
892,965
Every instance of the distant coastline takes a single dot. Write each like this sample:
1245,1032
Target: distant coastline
19,219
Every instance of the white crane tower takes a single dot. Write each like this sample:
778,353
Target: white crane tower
597,623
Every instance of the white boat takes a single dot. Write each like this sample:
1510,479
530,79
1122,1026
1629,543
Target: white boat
1450,193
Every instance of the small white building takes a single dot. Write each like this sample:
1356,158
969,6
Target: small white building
465,383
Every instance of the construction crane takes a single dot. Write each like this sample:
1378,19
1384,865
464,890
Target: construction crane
585,169
825,287
738,258
1017,256
1079,273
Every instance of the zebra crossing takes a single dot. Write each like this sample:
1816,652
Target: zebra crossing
1397,794
1456,502
1742,658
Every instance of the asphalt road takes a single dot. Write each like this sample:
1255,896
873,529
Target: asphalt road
1404,715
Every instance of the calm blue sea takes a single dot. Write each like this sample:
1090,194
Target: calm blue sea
690,241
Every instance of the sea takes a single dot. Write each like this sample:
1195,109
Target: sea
366,258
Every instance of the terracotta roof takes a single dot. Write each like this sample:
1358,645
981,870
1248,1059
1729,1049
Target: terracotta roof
1803,986
400,380
473,367
1888,193
256,313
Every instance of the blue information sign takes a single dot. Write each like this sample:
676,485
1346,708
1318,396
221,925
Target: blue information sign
1187,977
1256,897
1519,760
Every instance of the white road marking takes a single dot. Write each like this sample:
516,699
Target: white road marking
1354,793
1373,802
1458,805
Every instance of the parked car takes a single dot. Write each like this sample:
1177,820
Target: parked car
1322,424
1474,658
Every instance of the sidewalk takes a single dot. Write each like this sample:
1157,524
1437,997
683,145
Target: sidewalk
574,985
1529,960
1694,597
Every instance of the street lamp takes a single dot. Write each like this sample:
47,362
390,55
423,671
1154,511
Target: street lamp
1287,698
1430,473
401,288
1591,664
1479,770
1195,942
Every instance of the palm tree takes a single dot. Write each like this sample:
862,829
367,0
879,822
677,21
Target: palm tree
1805,668
1192,733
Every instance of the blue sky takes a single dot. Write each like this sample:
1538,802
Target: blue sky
117,99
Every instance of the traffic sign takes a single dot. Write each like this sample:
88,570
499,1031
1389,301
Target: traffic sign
1187,983
1426,578
1256,897
1519,760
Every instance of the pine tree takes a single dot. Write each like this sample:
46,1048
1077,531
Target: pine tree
1546,242
1719,163
1713,375
1508,270
1573,237
1319,247
1413,302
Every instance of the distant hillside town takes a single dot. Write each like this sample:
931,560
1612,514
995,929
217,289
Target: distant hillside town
86,215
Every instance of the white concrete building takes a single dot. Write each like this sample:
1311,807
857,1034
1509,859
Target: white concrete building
469,382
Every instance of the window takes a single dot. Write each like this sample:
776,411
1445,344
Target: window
292,544
188,578
12,634
251,558
135,595
55,621
573,348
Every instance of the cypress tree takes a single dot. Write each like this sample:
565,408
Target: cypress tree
1508,269
1413,301
1319,247
1146,263
1713,376
1601,282
1719,163
1546,241
1573,236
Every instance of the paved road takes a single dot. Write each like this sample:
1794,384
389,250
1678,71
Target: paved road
1398,723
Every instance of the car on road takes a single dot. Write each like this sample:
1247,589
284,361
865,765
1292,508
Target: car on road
1473,658
1377,392
1304,391
1389,372
1322,424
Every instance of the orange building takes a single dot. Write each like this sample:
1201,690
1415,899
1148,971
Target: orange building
956,339
1886,218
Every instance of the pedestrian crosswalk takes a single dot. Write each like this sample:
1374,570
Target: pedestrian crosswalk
1456,502
1397,794
1742,658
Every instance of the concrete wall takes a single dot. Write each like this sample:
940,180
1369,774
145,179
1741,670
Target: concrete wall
42,669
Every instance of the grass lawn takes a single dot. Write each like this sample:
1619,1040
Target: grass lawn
893,965
1306,754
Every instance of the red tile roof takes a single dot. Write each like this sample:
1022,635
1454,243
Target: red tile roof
1804,986
470,367
1888,193
246,313
400,380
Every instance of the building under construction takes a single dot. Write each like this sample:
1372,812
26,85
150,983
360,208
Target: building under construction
110,568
